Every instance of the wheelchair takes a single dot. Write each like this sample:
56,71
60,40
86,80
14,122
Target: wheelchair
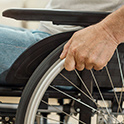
38,75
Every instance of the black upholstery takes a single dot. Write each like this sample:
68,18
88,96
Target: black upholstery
27,62
3,77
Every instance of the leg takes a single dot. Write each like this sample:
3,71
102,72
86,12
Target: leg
13,41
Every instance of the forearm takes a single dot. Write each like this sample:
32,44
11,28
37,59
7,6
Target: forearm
114,25
95,50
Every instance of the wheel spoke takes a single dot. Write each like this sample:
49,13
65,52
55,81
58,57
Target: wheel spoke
95,110
122,77
41,82
110,79
83,83
102,96
99,91
120,68
64,112
92,99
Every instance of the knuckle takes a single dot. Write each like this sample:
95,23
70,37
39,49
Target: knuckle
73,50
88,67
75,34
83,56
99,65
68,68
98,68
80,59
79,67
91,60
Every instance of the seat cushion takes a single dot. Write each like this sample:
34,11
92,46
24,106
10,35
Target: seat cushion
28,61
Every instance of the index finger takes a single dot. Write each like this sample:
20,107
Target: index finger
69,62
65,50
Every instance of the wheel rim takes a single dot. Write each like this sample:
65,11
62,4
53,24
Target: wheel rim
39,92
54,70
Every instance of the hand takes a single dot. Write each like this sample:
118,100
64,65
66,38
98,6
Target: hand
89,48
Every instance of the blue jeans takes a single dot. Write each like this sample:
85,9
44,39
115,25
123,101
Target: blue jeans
13,41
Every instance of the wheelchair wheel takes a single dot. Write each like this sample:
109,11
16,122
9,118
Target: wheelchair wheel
84,95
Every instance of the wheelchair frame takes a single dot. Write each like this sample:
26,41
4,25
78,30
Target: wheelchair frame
14,75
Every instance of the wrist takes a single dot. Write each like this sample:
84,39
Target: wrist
114,25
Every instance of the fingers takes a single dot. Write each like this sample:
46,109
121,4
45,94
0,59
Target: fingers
89,66
79,62
84,64
65,50
80,67
69,62
88,51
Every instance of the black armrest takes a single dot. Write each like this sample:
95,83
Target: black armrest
63,17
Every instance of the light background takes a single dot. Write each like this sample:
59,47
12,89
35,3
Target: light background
6,4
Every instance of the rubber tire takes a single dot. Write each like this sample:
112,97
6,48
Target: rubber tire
33,82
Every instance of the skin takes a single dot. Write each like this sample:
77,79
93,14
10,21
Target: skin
94,46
